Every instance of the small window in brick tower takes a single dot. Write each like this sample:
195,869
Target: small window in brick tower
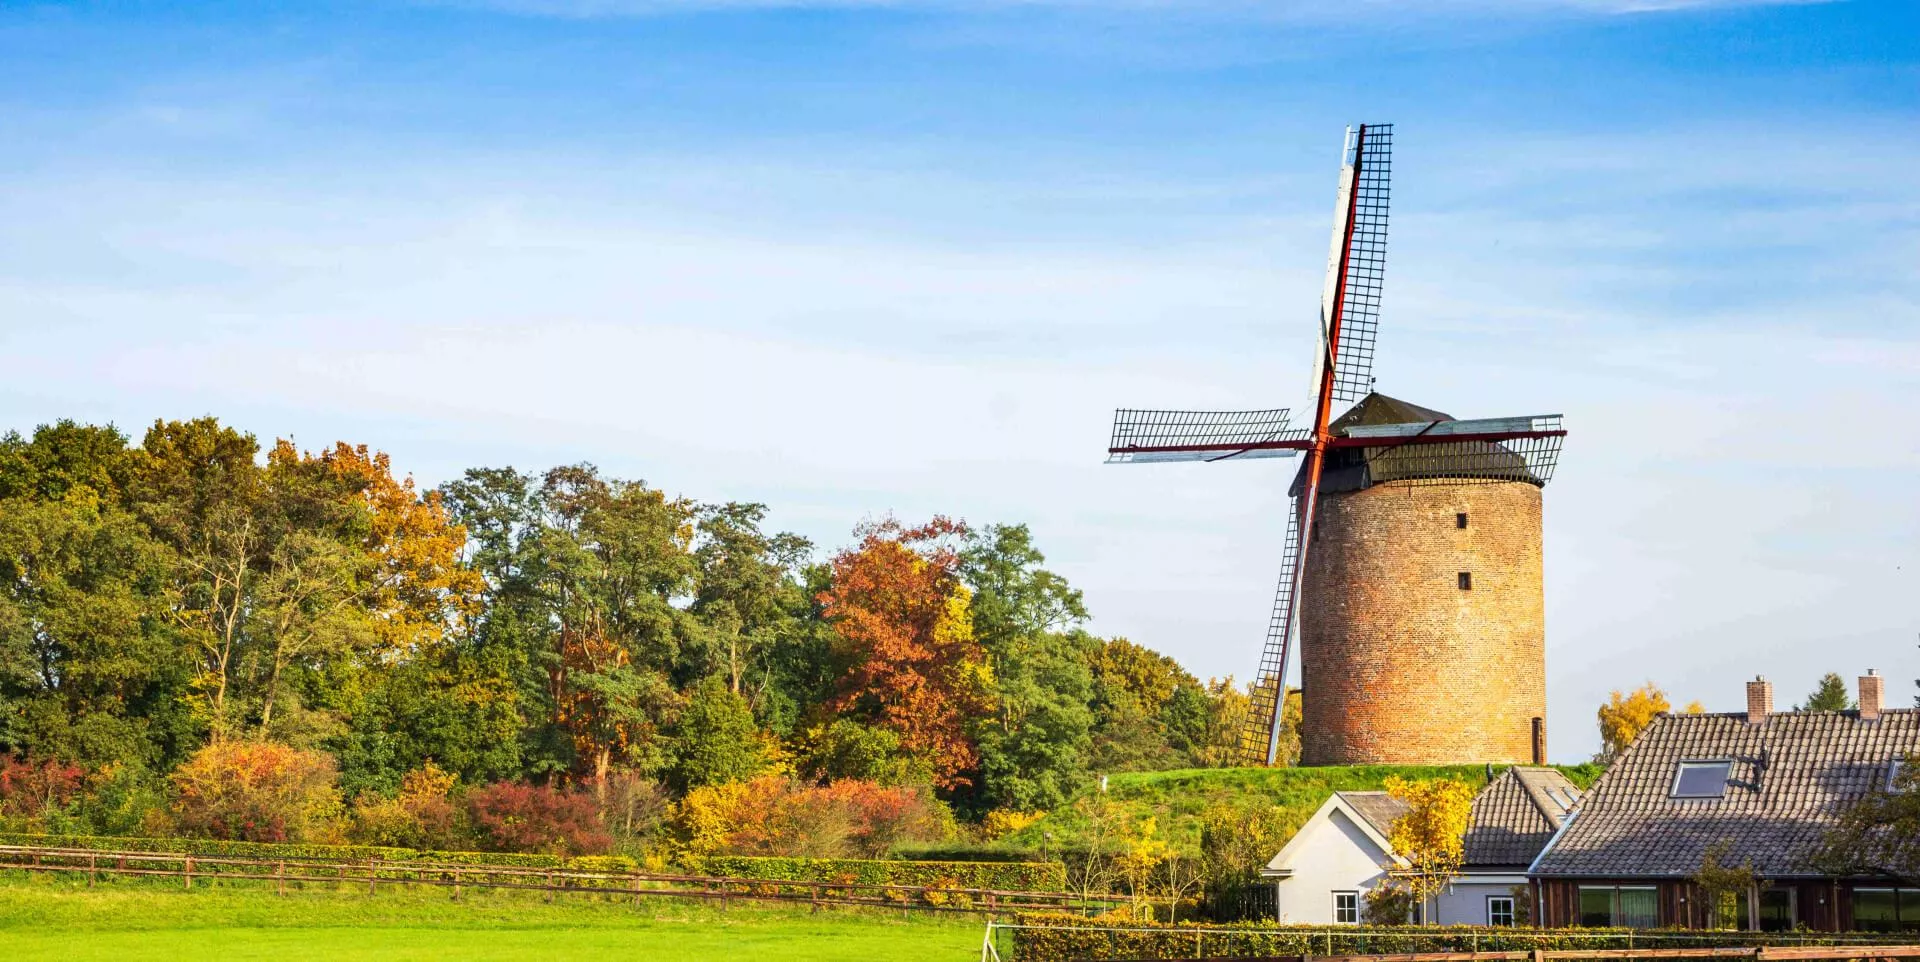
1466,581
1460,520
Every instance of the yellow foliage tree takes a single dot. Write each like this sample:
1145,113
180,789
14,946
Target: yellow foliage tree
1431,835
1624,715
1142,854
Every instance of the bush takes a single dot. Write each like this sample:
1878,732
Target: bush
1389,903
32,792
774,816
256,792
515,817
421,815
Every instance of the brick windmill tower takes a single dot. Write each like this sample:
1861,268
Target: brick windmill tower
1412,565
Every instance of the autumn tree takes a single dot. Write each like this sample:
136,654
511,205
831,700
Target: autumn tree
1829,695
914,666
1624,716
1431,834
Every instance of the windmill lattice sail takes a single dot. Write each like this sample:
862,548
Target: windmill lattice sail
1147,436
1259,736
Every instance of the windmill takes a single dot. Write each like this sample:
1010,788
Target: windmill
1375,662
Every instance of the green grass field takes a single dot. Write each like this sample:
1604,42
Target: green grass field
45,918
1177,799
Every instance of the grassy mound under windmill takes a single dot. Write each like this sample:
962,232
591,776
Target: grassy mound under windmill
1178,799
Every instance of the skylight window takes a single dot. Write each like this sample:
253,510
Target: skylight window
1703,779
1893,774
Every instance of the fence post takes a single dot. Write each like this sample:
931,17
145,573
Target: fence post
280,876
189,871
549,885
373,873
457,876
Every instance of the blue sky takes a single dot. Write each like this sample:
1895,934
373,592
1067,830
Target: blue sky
869,257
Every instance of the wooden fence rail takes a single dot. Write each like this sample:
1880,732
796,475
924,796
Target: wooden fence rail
1761,953
460,875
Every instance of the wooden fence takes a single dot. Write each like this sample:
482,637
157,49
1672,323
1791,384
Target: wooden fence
376,872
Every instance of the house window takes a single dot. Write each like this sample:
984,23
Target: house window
1499,907
1701,779
1460,520
1777,909
1886,910
1346,908
1893,773
1466,581
1619,906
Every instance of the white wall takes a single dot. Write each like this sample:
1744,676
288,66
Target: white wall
1465,901
1333,855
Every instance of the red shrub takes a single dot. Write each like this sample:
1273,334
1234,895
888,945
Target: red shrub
28,788
512,817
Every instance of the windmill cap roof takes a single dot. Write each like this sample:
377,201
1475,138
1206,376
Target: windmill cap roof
1377,408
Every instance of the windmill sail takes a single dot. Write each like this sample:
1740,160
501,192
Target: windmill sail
1145,436
1363,201
1260,736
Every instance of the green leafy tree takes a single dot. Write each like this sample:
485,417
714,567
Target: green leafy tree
1034,746
1829,695
717,741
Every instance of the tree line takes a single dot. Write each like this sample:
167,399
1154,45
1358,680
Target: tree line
199,635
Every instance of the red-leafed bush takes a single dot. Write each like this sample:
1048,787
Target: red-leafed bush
30,789
514,817
256,792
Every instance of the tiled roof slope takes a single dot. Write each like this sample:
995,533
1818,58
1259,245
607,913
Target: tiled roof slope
1378,808
1515,816
1816,764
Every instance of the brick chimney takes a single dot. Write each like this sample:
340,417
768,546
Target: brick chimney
1759,700
1870,696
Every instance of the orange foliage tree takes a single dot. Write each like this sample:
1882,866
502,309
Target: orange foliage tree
902,617
256,792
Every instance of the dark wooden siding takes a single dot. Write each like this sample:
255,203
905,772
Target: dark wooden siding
1823,905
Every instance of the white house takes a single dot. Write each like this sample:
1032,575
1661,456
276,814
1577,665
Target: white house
1341,853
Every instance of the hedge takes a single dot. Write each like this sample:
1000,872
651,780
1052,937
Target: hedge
1061,937
939,853
1003,876
212,847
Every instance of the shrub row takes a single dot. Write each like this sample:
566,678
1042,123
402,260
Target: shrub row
211,847
1061,937
1004,876
942,853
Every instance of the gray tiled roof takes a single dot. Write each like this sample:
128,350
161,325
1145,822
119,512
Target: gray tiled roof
1515,816
1792,774
1378,808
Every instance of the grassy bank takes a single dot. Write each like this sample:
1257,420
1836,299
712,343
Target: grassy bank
1177,799
43,918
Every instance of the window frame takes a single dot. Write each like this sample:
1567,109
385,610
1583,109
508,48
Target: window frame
1460,520
1680,769
1615,915
1353,908
1893,773
1512,910
1465,580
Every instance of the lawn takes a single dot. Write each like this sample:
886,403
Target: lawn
44,918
